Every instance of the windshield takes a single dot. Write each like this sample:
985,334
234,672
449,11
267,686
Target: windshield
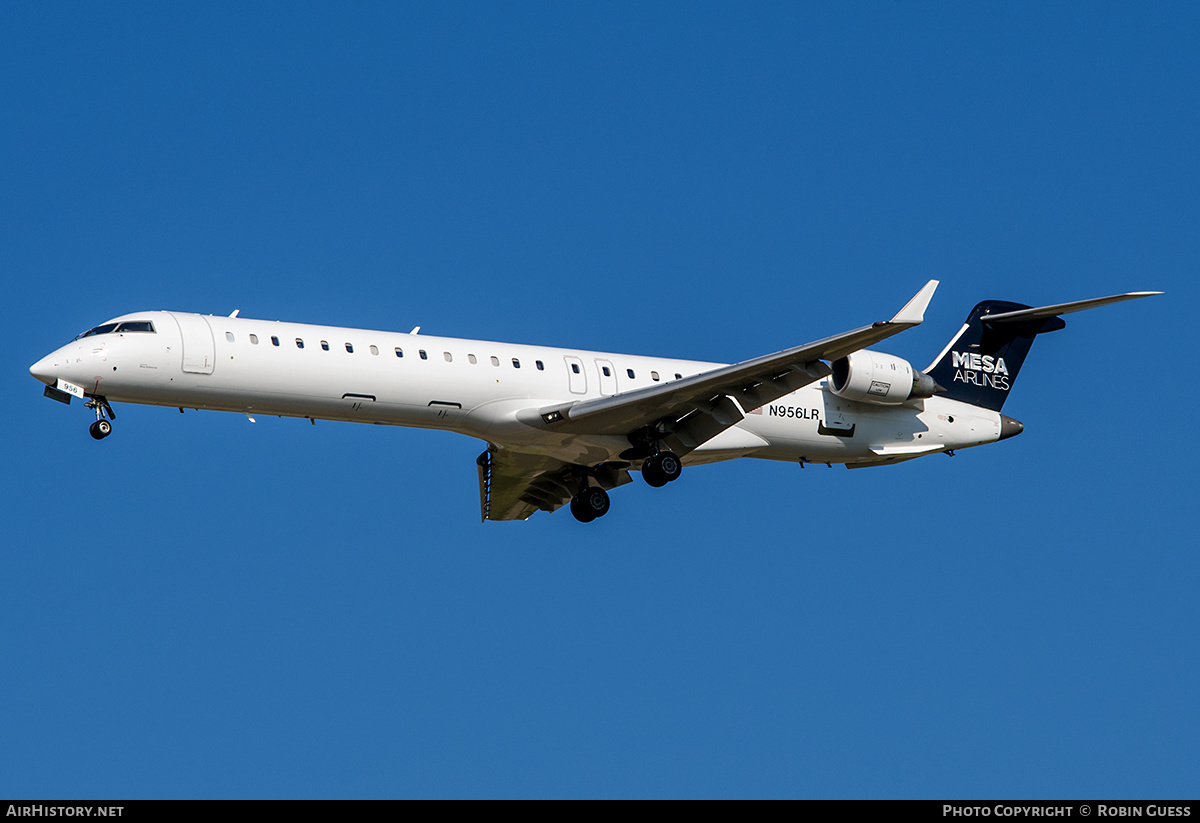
105,329
127,326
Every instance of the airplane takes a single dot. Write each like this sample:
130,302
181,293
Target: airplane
564,426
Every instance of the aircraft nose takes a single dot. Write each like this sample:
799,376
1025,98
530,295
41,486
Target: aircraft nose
1009,427
44,370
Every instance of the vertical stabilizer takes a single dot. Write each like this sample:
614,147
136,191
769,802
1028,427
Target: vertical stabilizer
980,364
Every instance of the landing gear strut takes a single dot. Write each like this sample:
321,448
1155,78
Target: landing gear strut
102,428
661,468
589,503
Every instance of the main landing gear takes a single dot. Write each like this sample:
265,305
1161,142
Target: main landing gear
102,428
589,503
661,468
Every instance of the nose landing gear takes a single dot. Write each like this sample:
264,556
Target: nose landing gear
102,428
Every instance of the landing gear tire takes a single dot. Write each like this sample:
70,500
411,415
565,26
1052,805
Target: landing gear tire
660,469
653,478
100,429
589,504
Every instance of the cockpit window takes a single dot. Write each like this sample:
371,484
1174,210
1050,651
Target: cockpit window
105,329
137,325
127,326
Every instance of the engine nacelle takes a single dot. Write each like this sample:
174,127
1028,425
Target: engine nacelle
871,377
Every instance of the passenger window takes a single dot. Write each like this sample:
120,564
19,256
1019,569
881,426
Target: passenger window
678,376
471,359
299,343
374,349
254,339
630,373
325,345
449,357
541,366
349,349
654,376
516,363
575,368
229,336
607,371
424,356
274,340
399,352
495,361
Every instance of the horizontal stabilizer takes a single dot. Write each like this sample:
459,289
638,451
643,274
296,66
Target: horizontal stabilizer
1062,308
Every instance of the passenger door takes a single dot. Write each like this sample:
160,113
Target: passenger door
199,351
608,376
575,375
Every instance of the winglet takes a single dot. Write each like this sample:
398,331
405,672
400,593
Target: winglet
913,312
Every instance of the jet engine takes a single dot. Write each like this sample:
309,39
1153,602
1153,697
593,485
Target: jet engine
871,377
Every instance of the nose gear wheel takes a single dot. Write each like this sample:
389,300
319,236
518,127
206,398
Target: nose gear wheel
102,428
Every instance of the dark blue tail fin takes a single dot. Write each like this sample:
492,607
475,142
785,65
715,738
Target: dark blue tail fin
980,364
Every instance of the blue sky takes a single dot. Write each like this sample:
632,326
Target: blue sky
201,607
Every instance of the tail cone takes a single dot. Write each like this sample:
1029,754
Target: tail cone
1009,427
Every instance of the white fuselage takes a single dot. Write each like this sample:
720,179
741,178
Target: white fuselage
478,388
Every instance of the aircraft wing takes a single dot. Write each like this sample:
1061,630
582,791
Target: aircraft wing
697,408
514,485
